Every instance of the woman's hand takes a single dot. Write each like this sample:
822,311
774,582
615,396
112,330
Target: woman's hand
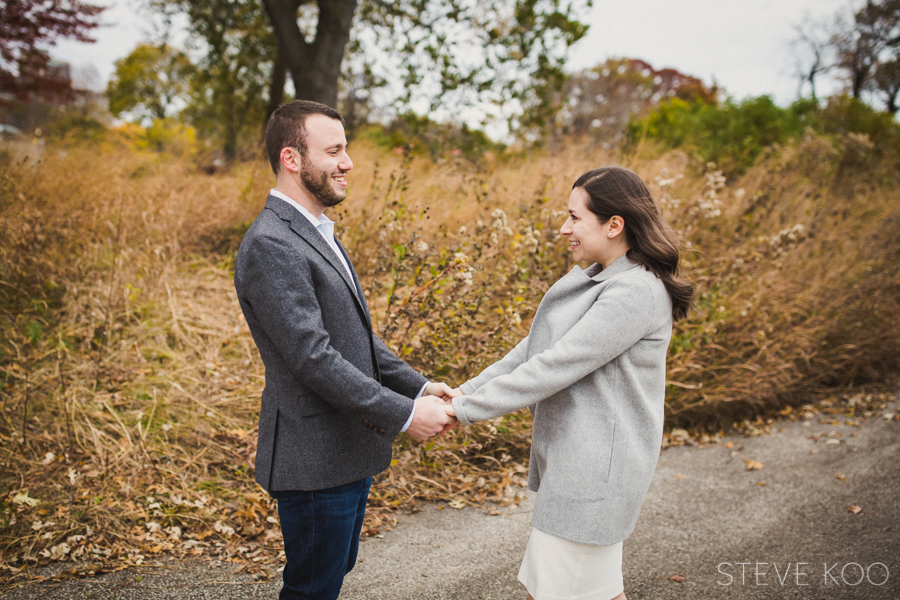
448,408
441,390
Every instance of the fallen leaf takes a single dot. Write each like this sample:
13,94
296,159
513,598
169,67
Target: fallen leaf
854,509
761,483
678,578
753,465
23,498
840,476
679,476
729,445
224,529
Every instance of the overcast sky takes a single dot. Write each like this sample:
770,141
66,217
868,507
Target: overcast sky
742,45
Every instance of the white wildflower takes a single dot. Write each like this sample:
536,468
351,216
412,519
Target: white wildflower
499,219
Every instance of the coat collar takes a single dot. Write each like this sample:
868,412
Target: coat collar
620,265
302,227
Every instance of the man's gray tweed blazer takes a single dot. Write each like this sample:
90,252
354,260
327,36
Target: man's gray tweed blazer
335,396
593,372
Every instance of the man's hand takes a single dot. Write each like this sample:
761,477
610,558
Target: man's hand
441,390
446,393
429,418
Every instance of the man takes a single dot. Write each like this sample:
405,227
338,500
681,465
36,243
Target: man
335,396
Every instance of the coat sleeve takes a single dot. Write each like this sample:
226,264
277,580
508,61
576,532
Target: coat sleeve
395,373
279,288
505,365
619,318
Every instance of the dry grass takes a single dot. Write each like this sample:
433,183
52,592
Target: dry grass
131,384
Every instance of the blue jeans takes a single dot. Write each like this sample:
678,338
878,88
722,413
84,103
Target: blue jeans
321,538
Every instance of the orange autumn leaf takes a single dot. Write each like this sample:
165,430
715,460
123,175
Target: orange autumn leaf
753,465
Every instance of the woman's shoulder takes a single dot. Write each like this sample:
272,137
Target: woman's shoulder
641,285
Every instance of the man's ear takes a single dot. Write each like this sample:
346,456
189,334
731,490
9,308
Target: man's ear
290,159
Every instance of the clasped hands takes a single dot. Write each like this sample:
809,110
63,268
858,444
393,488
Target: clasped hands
434,414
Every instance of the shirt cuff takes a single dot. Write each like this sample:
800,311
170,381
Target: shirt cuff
409,420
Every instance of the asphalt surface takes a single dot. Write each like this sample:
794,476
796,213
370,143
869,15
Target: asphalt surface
782,532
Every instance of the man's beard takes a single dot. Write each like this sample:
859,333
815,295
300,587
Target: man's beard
318,182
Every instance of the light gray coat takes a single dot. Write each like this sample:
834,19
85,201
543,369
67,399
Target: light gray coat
335,395
592,370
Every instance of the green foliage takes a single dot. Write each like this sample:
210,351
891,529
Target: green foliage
168,135
599,100
520,48
732,135
843,115
420,135
227,96
735,135
77,128
150,82
33,331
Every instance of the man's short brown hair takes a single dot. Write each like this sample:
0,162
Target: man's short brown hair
287,128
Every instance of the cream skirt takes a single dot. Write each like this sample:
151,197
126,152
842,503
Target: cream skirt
558,569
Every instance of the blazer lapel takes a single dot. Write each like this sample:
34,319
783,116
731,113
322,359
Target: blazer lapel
302,227
357,284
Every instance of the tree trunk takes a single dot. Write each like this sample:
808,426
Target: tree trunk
315,68
276,87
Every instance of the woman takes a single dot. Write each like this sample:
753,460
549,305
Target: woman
592,371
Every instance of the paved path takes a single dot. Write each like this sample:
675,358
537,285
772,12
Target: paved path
707,519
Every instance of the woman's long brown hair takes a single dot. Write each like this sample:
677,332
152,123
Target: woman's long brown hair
651,242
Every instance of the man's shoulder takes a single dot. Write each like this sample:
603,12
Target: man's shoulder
268,223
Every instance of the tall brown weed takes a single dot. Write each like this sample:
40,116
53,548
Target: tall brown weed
131,384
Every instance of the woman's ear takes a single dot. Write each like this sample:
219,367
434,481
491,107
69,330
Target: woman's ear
616,226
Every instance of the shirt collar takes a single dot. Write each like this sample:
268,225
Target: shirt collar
323,220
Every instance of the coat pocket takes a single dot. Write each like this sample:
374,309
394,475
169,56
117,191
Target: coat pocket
579,463
604,441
